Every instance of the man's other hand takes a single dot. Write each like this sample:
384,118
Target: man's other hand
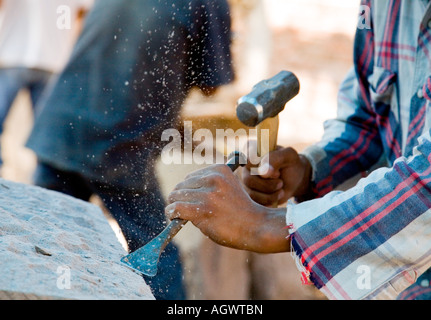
283,174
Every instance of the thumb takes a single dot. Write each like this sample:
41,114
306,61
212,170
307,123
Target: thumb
275,161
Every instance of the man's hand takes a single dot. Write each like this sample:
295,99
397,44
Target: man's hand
285,174
214,200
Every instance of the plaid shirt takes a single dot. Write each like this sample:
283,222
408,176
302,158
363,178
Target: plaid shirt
374,240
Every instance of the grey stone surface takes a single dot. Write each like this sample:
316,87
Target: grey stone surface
56,247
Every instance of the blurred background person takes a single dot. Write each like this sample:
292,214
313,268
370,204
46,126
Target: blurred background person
36,38
99,129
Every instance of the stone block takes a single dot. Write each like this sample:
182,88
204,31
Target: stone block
53,246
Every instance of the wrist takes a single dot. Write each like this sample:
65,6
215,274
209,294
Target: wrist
272,234
304,189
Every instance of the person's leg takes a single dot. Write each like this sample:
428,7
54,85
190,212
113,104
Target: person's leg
11,82
140,215
37,81
69,183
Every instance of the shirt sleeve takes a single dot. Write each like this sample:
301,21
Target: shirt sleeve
351,144
210,41
372,241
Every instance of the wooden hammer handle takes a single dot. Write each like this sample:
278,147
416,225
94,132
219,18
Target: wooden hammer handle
267,131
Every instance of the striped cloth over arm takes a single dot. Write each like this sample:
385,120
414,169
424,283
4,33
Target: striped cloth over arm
374,240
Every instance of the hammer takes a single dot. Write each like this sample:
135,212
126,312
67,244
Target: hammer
265,102
261,108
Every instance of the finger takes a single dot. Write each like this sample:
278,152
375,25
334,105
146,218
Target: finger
266,170
266,199
199,173
182,210
221,168
253,159
261,166
207,170
204,178
257,183
283,158
194,182
275,161
185,195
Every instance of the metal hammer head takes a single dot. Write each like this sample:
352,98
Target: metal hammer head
267,98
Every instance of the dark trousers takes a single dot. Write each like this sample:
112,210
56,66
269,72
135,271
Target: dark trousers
12,80
139,213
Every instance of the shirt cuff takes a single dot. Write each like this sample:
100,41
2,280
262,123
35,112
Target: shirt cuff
314,155
291,223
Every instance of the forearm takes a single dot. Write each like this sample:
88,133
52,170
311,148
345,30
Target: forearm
351,143
382,224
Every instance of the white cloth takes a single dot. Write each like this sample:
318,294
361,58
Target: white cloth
38,33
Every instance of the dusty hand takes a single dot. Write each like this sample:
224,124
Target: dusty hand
214,201
283,175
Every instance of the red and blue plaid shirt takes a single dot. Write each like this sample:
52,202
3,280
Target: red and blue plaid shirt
374,240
